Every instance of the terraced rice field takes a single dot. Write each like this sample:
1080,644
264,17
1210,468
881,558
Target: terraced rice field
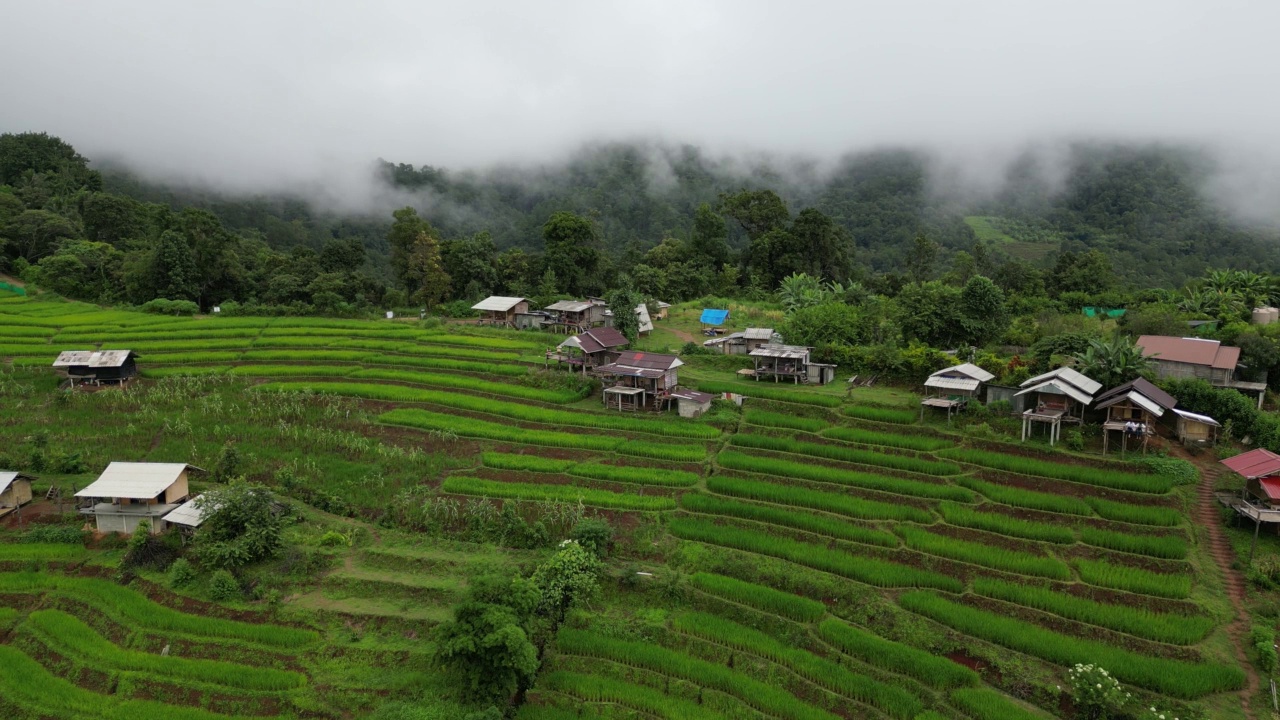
820,558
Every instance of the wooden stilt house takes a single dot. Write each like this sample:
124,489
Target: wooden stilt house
952,388
1059,396
637,380
589,350
501,311
1132,410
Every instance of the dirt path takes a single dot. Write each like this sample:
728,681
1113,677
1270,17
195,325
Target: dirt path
681,334
1207,516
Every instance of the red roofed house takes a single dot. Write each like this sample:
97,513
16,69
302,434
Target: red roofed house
639,380
1260,500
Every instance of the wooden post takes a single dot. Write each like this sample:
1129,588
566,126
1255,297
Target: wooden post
1257,526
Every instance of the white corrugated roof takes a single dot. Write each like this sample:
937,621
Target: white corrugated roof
99,358
73,357
136,481
1085,383
758,333
8,476
1197,417
497,303
951,383
968,370
570,306
188,513
786,352
1059,388
642,314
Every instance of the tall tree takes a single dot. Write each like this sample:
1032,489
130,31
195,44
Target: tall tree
824,245
403,237
623,303
757,211
985,316
171,271
428,282
921,258
571,250
709,239
36,233
1087,272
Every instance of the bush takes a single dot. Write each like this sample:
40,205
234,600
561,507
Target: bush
181,573
333,538
54,534
223,586
1075,440
1264,642
161,306
594,534
1095,693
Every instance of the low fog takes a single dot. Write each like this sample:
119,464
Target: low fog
261,96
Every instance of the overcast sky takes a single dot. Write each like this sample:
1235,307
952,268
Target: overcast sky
261,93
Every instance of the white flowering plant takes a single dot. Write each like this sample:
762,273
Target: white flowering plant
1156,713
1096,694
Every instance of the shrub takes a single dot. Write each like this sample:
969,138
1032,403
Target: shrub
1264,643
1177,678
787,605
823,473
594,534
896,657
819,524
181,573
161,306
1095,693
223,586
1075,440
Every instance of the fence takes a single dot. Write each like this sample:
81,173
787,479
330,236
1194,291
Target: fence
13,288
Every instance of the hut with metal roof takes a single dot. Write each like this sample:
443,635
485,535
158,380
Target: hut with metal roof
1060,396
1259,500
713,321
663,308
126,493
15,490
1196,429
1132,410
790,362
588,350
691,403
95,367
500,310
575,316
952,388
1191,357
742,342
189,515
638,380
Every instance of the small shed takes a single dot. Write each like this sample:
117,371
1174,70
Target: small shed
500,310
691,403
532,320
952,388
640,380
663,308
127,493
588,350
1196,429
96,367
1060,396
741,343
189,514
787,362
713,321
15,490
575,316
1132,410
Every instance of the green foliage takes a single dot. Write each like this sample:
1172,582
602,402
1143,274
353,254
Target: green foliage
54,534
594,534
760,597
1263,640
161,306
1176,678
567,579
823,473
1137,514
241,525
1135,482
1174,628
181,573
986,555
845,454
596,689
809,522
872,571
896,657
923,443
839,503
486,652
1095,693
466,382
466,485
1113,362
1132,579
524,463
223,586
1002,524
228,464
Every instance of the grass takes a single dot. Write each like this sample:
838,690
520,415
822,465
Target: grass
761,597
647,700
434,363
1002,524
40,551
669,427
845,454
879,414
1186,680
1131,579
465,485
761,696
838,503
987,704
985,555
485,430
25,682
634,474
819,524
872,571
466,382
1173,628
71,637
823,473
1019,497
1136,514
301,370
135,608
893,701
765,392
895,657
922,443
780,420
524,463
1169,547
1134,482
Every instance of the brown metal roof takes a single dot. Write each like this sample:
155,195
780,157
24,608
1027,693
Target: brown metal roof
1192,351
648,361
598,339
1143,387
694,395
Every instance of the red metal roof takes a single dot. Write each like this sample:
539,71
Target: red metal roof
1193,351
1271,487
1255,463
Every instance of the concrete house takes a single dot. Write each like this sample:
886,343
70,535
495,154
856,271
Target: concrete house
127,493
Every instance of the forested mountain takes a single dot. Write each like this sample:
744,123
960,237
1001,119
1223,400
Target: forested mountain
671,219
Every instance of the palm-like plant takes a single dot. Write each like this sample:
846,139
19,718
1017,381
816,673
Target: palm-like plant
801,290
1112,362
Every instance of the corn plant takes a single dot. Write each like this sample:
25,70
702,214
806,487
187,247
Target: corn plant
896,657
990,556
844,453
838,476
838,503
809,522
761,597
1177,678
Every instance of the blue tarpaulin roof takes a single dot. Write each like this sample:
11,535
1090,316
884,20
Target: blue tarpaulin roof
714,317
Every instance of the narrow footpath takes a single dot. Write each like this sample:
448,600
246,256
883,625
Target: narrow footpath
1207,516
